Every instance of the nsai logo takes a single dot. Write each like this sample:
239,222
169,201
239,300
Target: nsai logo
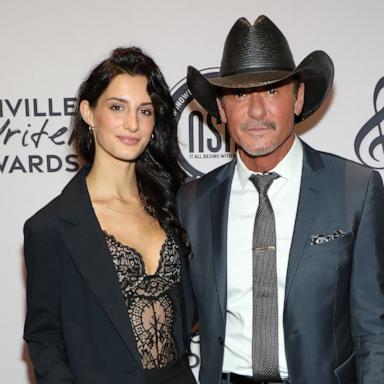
204,144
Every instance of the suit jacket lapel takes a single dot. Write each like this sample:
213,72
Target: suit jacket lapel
187,301
219,214
85,242
309,200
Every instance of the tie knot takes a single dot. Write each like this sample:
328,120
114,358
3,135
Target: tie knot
262,182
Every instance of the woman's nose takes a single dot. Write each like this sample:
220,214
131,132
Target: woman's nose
131,122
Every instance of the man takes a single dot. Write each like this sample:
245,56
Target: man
288,242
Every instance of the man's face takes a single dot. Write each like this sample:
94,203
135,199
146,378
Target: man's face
261,121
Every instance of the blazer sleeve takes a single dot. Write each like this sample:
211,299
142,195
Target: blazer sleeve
367,287
43,331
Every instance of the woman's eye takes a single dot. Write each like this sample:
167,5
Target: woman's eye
146,112
116,107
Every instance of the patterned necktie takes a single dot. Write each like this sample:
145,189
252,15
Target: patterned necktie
265,348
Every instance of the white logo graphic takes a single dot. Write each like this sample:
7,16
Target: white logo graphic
204,144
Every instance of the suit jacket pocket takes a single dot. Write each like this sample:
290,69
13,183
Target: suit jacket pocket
346,371
331,246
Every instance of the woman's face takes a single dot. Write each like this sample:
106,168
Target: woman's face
122,120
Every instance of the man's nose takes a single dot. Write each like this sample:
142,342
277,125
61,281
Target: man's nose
256,105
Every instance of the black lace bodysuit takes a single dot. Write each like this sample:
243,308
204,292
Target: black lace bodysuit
148,299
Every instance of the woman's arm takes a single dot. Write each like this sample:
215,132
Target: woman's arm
43,330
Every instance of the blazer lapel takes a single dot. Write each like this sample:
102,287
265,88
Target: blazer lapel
309,200
85,242
219,218
187,301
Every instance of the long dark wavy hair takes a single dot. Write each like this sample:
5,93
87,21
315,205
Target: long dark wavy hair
157,170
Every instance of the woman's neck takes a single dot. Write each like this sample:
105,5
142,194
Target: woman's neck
106,182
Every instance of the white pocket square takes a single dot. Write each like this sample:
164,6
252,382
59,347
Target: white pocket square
320,238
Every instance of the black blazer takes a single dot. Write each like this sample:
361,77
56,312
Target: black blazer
334,297
77,327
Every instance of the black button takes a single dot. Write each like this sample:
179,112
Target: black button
221,340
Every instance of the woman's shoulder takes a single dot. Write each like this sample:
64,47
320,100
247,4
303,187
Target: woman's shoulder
49,212
45,216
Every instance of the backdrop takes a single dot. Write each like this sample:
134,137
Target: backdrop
49,46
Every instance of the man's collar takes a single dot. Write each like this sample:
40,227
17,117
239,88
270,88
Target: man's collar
285,168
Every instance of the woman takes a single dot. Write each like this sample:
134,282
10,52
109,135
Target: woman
108,296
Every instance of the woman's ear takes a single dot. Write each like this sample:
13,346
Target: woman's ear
86,112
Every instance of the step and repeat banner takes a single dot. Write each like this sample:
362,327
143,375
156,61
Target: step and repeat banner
48,47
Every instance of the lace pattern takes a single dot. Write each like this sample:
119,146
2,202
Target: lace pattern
150,308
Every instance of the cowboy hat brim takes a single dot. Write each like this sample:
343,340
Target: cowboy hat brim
315,71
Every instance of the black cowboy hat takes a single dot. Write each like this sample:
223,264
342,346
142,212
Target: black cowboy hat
258,55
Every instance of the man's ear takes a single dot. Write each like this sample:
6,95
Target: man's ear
219,102
299,102
86,112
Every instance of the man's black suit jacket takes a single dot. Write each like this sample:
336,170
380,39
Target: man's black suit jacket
334,302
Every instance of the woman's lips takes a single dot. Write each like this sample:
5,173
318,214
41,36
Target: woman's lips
129,140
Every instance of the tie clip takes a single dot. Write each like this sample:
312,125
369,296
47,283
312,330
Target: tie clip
268,248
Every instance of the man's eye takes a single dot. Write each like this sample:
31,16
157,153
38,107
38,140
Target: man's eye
239,93
272,91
